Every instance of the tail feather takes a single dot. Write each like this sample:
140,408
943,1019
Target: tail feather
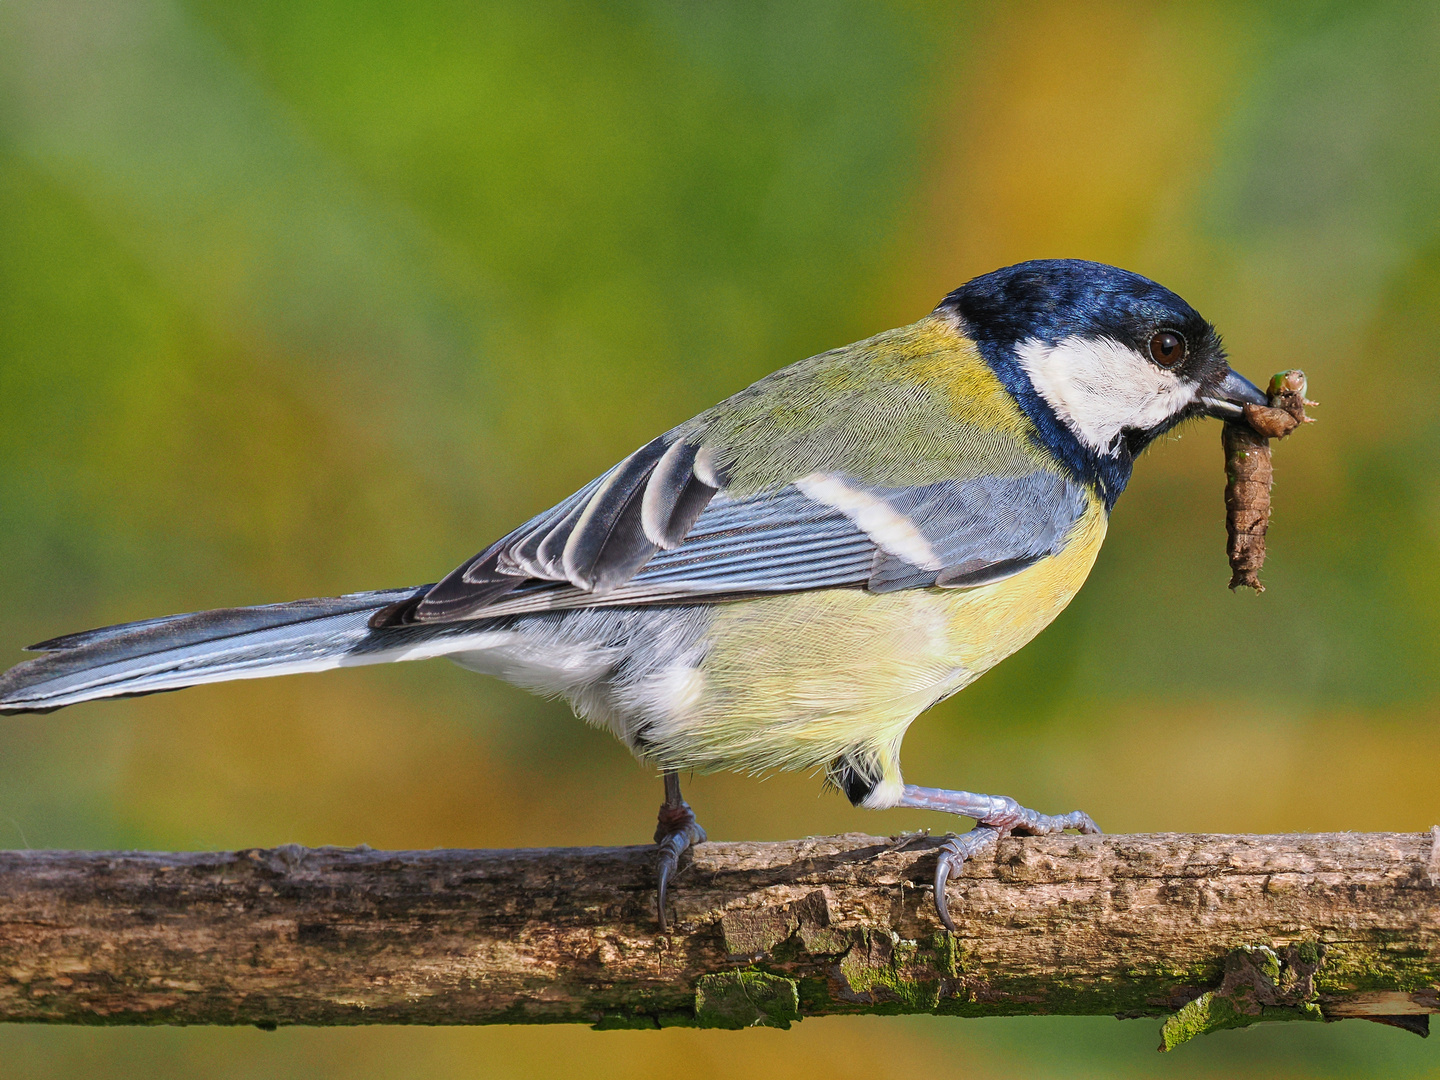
210,646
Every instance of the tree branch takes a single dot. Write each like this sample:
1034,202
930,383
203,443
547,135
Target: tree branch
1239,927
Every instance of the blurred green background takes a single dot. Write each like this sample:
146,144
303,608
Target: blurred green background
300,298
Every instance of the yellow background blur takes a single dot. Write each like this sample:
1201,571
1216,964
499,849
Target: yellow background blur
299,298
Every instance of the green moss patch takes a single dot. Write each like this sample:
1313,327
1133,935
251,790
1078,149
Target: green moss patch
741,999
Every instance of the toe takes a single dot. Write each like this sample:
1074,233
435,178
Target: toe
669,859
671,846
942,878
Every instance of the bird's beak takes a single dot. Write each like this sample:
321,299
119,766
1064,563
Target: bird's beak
1226,400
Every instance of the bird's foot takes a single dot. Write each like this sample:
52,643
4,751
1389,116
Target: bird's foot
675,831
996,816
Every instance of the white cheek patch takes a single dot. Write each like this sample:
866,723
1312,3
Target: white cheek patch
1099,387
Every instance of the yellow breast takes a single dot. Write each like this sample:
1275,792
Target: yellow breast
798,680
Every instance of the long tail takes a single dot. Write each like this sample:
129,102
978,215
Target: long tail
214,646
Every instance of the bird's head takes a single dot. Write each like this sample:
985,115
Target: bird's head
1102,360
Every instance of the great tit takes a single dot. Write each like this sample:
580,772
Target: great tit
788,579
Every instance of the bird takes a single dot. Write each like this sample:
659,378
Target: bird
787,580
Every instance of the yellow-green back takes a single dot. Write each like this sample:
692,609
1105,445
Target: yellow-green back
914,405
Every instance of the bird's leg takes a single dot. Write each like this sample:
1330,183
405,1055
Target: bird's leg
995,816
675,831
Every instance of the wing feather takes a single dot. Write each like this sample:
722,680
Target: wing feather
524,556
675,496
652,531
612,517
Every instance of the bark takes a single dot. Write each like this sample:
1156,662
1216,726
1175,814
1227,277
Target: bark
1218,930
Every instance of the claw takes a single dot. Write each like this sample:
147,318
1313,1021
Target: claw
995,817
942,878
953,854
675,832
670,849
672,846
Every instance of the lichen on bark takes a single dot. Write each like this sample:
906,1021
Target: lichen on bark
1261,984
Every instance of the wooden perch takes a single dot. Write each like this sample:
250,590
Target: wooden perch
1218,930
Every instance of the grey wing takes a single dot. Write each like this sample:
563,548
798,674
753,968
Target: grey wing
982,530
658,528
594,540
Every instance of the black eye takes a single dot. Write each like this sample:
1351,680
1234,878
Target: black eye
1167,348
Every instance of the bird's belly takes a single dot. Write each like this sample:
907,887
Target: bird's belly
796,681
